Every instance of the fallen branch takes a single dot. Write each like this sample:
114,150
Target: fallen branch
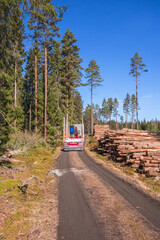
25,184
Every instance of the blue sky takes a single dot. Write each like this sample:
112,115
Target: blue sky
111,31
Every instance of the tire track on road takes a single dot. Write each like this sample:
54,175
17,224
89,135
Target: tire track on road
147,206
76,219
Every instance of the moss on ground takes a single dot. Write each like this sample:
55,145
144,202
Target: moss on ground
35,162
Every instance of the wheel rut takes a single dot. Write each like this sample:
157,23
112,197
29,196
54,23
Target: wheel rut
76,219
147,206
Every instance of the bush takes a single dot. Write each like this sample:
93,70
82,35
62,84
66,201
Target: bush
22,141
92,143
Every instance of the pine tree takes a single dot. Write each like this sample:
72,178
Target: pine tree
115,110
94,80
133,108
137,67
87,119
105,109
126,107
110,106
48,29
34,11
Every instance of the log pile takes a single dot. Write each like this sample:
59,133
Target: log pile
99,130
140,149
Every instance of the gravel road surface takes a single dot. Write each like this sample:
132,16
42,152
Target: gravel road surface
95,204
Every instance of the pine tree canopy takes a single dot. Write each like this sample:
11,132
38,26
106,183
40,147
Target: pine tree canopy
93,74
137,67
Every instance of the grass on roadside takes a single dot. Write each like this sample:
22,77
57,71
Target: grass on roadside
35,162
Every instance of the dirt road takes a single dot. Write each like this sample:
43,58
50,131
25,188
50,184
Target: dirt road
94,204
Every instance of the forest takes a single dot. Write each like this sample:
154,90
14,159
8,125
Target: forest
39,86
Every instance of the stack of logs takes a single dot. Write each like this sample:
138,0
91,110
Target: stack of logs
140,149
99,130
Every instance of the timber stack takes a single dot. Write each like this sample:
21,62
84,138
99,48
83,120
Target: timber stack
99,130
140,149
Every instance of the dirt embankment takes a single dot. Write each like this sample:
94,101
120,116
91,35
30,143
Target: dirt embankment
29,212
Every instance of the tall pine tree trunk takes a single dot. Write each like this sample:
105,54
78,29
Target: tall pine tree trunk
72,107
30,117
15,92
35,82
132,119
45,86
67,114
137,100
15,85
116,122
126,119
91,112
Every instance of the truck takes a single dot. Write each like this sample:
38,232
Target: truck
73,137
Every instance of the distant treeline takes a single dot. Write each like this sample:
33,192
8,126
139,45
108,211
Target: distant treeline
109,114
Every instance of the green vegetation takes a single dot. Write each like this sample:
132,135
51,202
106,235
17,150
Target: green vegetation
152,183
37,161
47,91
94,80
92,143
102,115
137,67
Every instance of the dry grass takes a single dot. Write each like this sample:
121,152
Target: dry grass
24,212
24,140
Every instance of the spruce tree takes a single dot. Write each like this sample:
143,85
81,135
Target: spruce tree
11,52
78,108
94,80
137,67
71,68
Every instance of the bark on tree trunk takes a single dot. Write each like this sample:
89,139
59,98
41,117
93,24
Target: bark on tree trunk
15,92
36,78
15,85
30,117
91,113
116,123
137,100
132,120
36,90
67,116
72,107
126,119
45,86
